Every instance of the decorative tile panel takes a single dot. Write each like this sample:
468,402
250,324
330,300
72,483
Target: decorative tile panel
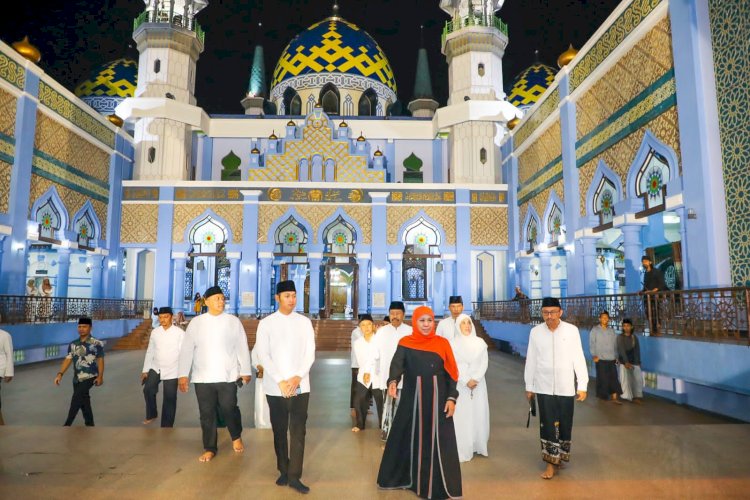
397,217
630,18
539,202
730,25
620,155
8,104
185,213
539,114
489,226
539,155
12,72
73,200
267,215
76,115
5,170
639,68
139,223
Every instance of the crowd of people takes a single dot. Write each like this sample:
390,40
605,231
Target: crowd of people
425,382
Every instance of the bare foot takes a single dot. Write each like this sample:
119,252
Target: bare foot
147,421
355,429
616,401
549,472
207,456
238,446
638,401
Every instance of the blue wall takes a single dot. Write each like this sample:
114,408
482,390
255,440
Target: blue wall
716,376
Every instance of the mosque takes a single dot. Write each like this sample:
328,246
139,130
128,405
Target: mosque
126,188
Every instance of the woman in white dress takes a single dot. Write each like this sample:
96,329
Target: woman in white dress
262,414
472,417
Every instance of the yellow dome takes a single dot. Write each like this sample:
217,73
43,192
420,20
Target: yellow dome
529,86
566,56
334,46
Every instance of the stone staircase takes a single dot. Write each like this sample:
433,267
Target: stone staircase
330,334
482,334
136,339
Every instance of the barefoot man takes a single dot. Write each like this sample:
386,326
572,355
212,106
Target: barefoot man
554,363
215,349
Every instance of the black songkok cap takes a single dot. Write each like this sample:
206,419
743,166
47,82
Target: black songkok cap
397,304
214,290
84,321
646,257
165,310
551,302
285,286
455,299
365,317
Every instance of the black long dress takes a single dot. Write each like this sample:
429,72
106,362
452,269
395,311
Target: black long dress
421,453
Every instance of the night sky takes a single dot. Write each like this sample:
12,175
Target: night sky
76,36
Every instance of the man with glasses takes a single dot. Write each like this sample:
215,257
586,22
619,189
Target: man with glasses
215,350
554,365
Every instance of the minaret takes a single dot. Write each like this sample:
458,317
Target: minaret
256,90
474,42
169,42
423,105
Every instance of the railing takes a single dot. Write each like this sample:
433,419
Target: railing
716,314
23,309
162,17
471,20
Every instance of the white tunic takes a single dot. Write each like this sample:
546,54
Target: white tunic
356,334
446,327
215,348
286,348
388,338
555,360
472,417
262,414
163,353
6,354
368,355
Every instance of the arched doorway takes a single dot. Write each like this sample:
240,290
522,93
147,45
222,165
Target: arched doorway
421,253
207,263
290,260
341,270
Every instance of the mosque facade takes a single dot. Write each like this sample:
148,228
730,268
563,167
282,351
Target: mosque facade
126,188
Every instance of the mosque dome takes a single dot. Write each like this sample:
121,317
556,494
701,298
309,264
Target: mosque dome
27,50
530,84
335,55
109,85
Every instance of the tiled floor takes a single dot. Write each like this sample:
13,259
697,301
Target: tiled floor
658,450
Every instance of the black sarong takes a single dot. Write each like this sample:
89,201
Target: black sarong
607,382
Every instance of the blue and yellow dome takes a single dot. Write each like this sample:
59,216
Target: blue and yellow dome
334,46
530,84
109,85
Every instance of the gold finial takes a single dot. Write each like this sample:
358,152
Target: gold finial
273,136
378,152
566,56
343,124
27,50
512,124
291,123
115,120
361,138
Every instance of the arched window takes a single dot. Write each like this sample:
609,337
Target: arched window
340,237
421,239
532,233
49,219
329,99
651,180
290,237
292,102
368,103
483,156
85,228
151,154
554,224
605,198
208,235
157,66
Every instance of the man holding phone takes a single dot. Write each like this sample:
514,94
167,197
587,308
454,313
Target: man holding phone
285,346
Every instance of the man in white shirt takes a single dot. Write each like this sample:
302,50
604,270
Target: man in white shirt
447,326
368,383
356,334
215,350
6,363
285,345
554,364
387,340
160,365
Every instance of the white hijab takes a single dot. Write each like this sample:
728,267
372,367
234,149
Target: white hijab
466,348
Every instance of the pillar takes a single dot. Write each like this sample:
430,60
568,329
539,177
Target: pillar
682,212
264,301
179,261
315,304
96,265
633,250
396,261
545,264
379,282
248,278
449,270
363,260
588,251
163,258
523,265
63,272
234,281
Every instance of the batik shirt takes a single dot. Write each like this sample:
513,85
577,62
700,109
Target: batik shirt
84,355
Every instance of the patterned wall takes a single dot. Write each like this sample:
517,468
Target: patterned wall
316,139
315,215
397,217
489,226
7,145
620,155
537,156
139,223
730,25
73,200
185,213
12,72
550,104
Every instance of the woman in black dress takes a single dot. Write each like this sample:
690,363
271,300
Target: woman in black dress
421,453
